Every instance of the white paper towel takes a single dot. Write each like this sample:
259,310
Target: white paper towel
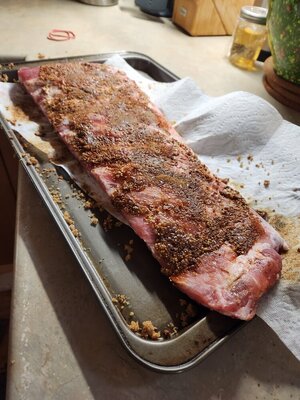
242,137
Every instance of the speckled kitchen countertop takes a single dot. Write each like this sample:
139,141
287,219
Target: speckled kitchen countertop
62,345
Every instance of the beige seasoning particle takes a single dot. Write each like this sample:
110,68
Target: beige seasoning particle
3,78
33,160
68,218
134,326
75,231
88,204
94,221
149,330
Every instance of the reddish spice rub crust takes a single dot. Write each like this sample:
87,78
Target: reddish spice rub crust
209,243
136,146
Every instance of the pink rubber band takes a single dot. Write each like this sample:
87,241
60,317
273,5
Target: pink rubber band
60,35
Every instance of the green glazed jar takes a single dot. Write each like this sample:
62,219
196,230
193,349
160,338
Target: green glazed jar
283,22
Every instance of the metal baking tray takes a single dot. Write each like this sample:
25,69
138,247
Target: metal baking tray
101,255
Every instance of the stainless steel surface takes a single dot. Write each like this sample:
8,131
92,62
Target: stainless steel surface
5,59
100,2
101,254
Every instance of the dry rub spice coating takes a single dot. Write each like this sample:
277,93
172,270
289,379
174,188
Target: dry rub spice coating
190,211
208,242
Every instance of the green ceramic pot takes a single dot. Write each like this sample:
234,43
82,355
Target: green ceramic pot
283,22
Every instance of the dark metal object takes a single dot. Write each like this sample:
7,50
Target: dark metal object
11,59
263,55
100,2
158,8
101,256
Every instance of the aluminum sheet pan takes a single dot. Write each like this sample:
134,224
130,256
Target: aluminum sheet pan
102,257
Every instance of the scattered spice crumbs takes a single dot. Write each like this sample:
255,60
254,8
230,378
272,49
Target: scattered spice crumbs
77,193
47,172
68,218
5,66
289,228
129,250
108,223
120,300
146,329
188,314
94,220
74,230
134,326
56,196
170,331
31,161
3,78
88,204
149,331
264,214
70,222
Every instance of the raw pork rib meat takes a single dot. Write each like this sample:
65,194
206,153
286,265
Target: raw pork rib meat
209,243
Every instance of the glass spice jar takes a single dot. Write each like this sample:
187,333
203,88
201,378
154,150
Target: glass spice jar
249,37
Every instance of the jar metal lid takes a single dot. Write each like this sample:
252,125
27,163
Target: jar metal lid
254,14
